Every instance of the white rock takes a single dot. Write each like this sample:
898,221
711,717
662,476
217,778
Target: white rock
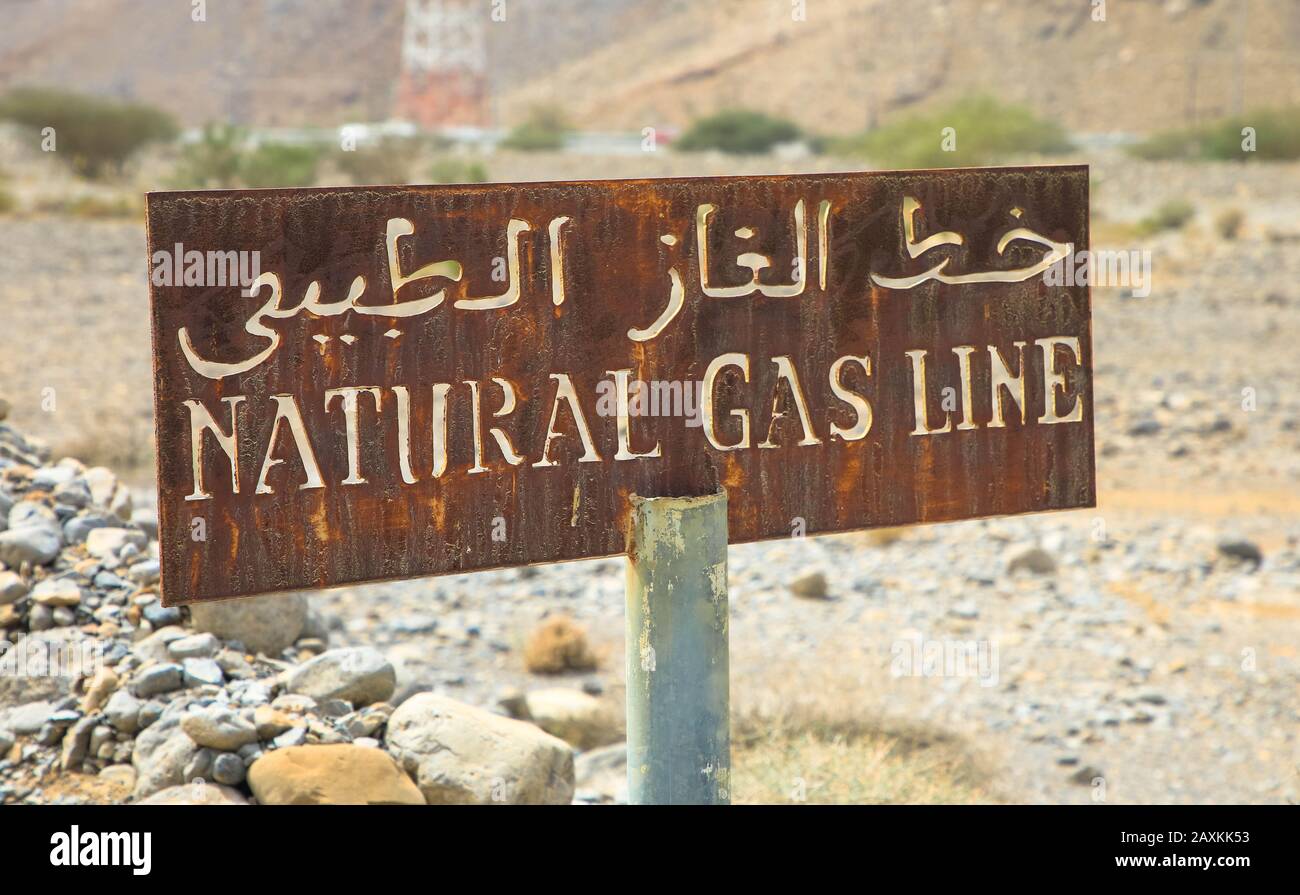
35,544
102,483
57,592
581,720
461,754
217,727
360,675
107,543
12,588
196,646
265,624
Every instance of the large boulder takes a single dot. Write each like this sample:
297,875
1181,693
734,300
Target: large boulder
341,774
460,754
360,675
161,753
581,720
265,624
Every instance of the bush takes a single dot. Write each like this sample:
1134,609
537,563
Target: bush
986,131
221,159
738,132
1277,137
279,165
454,170
559,644
544,129
213,161
95,136
1172,215
390,160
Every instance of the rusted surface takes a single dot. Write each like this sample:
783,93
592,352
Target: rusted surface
616,277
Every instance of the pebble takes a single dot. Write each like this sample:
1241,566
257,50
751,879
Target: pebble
158,679
12,588
107,543
966,609
123,712
35,544
28,718
360,675
228,768
57,592
161,616
76,529
196,646
198,672
219,728
1034,560
294,737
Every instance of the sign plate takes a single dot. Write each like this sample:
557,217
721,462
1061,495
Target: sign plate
370,383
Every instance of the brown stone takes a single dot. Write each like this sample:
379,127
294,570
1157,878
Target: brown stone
341,774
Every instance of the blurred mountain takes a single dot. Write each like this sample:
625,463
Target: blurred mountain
630,63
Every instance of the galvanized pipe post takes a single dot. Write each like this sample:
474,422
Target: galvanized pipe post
678,719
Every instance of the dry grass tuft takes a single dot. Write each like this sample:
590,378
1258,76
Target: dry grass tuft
558,645
818,728
802,756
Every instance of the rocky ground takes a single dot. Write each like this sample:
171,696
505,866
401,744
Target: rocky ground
1145,651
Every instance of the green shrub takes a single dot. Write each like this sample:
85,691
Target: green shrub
738,132
1277,137
454,170
1172,215
8,202
1173,144
279,165
222,159
544,129
985,131
213,161
389,160
95,136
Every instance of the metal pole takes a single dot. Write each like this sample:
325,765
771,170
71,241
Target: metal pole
678,721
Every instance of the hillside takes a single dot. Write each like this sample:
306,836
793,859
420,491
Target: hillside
625,64
1152,64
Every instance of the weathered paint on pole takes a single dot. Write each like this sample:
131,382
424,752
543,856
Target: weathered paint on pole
678,720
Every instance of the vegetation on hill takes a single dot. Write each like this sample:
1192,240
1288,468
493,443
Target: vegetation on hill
738,132
449,169
545,128
1274,133
976,130
222,158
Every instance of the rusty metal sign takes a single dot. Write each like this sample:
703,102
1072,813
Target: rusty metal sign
371,383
